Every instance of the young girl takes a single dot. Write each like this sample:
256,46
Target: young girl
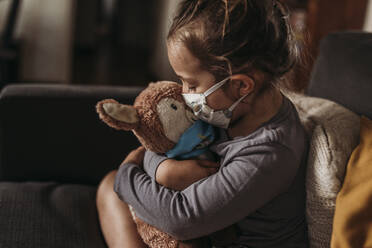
231,56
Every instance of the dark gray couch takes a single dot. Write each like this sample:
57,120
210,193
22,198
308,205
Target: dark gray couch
54,150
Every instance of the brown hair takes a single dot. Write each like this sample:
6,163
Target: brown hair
238,36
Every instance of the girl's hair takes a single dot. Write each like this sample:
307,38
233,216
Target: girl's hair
238,36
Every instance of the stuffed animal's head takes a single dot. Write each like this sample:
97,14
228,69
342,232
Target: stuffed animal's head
158,116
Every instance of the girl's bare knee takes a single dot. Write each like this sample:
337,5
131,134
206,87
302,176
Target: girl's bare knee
106,188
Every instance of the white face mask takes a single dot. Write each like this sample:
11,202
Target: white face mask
198,103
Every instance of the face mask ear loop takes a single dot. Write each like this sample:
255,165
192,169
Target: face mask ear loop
232,107
215,87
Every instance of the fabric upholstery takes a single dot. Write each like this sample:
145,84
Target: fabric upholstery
342,71
48,215
53,133
334,131
352,226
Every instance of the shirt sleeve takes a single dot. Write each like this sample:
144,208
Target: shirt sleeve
151,162
240,187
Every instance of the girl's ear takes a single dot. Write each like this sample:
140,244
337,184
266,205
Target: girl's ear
118,116
243,84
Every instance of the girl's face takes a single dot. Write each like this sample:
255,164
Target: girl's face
194,78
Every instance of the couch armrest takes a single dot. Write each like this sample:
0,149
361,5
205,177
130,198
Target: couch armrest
53,133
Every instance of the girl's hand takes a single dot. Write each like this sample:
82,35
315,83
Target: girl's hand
178,175
136,156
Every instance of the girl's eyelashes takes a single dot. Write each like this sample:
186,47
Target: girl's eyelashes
191,88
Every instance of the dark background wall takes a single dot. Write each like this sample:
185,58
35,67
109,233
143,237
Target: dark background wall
122,42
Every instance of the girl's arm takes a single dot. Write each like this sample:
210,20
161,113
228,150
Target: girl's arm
240,187
177,175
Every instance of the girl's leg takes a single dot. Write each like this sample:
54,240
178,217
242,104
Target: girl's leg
118,227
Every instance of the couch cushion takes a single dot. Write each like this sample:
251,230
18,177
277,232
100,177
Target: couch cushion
53,133
352,226
334,134
48,215
342,71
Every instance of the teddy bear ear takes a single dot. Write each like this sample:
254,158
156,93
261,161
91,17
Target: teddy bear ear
118,116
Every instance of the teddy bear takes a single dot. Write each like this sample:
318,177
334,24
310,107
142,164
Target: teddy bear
162,122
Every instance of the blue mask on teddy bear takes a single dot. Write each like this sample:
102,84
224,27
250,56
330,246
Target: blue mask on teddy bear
194,141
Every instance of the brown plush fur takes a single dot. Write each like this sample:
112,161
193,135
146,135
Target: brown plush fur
149,130
150,133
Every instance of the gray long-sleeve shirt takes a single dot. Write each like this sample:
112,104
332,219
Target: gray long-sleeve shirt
259,186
